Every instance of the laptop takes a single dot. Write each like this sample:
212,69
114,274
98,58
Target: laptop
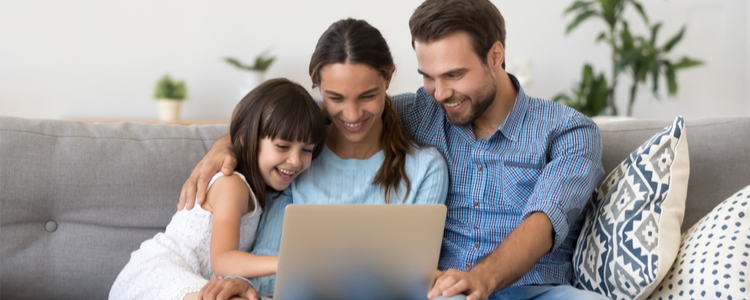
359,251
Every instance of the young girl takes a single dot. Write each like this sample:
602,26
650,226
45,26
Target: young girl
276,131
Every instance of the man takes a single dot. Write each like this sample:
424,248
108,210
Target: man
521,168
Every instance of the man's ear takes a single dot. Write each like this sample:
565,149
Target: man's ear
496,56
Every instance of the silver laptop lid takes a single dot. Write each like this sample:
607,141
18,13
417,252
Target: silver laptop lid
359,251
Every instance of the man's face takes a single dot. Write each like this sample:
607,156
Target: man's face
455,77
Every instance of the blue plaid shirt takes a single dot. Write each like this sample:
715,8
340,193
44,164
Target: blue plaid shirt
545,157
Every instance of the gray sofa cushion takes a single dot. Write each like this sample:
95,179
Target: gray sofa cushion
77,198
719,157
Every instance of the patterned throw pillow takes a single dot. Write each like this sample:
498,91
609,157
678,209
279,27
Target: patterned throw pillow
632,224
713,259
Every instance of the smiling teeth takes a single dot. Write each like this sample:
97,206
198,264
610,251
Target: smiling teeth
285,172
352,125
453,104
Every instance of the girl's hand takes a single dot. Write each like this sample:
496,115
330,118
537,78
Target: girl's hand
219,157
223,289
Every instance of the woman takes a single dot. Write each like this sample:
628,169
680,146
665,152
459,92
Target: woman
367,157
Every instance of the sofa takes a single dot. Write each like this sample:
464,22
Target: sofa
76,198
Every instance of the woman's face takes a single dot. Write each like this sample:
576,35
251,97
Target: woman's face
354,98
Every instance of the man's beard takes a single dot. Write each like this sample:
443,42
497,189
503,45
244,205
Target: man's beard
485,95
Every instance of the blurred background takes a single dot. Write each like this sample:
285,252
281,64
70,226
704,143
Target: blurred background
102,59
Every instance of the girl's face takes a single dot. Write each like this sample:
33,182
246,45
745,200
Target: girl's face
354,97
281,161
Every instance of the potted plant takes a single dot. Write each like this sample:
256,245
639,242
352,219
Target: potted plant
637,56
590,96
256,73
169,94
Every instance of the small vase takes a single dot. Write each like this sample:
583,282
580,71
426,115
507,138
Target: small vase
252,80
169,109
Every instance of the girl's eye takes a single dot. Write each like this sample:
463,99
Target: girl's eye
368,97
284,147
308,150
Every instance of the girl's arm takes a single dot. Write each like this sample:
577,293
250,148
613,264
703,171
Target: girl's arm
228,200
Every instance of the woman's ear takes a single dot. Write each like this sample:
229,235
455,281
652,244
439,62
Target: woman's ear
389,77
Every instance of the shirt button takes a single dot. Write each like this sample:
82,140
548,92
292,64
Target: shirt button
476,245
479,168
476,203
468,266
476,227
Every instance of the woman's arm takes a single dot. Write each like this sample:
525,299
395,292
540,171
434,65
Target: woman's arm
433,189
219,158
228,201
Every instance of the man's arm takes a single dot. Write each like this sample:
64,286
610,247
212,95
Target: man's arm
558,198
507,264
219,157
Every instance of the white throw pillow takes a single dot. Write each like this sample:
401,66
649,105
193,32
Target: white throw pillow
632,225
713,259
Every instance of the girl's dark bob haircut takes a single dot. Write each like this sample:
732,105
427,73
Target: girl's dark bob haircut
276,109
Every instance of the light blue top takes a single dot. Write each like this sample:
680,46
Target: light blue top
332,180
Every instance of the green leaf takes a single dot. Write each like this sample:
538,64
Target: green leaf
655,79
580,18
602,36
654,33
674,40
687,63
627,38
578,5
639,7
235,62
671,80
610,12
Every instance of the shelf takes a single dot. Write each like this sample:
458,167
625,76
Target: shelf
153,121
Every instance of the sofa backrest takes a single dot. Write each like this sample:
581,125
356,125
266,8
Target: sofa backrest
76,199
719,150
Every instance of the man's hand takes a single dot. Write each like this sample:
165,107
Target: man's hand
454,282
219,157
223,289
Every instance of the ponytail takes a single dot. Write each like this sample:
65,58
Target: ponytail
396,145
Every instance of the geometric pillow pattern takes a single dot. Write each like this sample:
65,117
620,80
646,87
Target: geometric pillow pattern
631,233
714,255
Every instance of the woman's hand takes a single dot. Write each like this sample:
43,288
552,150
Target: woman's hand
219,157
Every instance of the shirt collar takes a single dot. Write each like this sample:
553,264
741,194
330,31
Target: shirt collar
510,128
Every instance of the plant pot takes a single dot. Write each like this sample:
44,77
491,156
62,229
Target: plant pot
252,80
169,109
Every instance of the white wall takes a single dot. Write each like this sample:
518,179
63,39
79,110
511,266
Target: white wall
100,59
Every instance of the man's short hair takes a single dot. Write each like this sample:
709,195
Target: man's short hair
480,19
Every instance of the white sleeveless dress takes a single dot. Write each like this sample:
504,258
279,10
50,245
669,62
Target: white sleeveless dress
177,261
